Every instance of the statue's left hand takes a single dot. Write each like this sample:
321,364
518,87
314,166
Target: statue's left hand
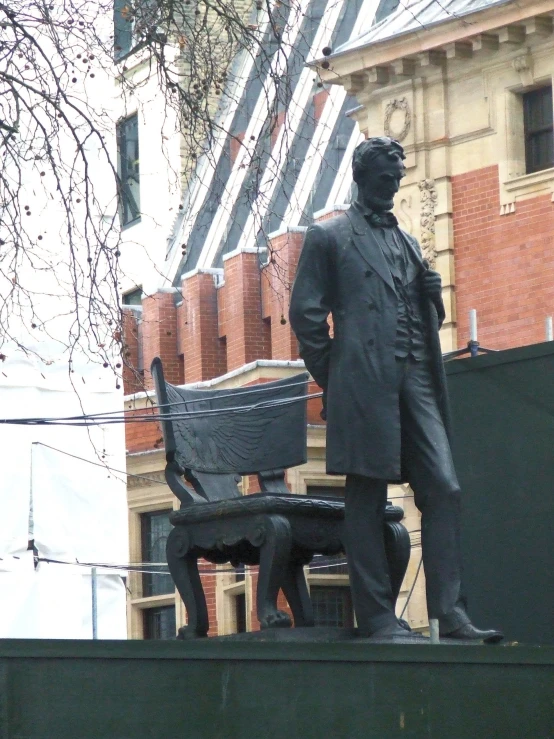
431,285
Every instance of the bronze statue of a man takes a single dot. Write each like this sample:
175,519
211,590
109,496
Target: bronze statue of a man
384,390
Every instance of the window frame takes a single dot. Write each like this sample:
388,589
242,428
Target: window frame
346,595
135,43
148,613
515,185
532,132
129,297
129,206
148,589
120,52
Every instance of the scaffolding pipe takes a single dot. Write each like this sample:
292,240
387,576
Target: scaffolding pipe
473,343
94,586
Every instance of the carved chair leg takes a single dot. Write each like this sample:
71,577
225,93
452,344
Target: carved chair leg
183,566
274,556
297,595
397,548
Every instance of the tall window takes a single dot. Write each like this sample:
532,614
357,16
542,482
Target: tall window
155,528
123,28
160,623
538,129
323,564
332,605
128,169
135,23
134,297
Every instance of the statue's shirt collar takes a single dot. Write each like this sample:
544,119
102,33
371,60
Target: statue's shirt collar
377,220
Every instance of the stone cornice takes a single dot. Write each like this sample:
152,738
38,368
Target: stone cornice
408,55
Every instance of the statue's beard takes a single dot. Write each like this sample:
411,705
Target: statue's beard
378,204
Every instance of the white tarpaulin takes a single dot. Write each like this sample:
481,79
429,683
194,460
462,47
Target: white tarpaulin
73,510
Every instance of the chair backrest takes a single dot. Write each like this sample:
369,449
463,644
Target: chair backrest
216,435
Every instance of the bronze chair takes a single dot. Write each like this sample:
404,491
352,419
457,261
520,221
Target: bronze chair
213,438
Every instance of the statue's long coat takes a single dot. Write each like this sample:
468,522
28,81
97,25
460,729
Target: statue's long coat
342,271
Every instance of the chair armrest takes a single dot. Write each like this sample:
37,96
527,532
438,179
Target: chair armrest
181,491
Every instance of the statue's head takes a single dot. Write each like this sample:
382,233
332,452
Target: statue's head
377,169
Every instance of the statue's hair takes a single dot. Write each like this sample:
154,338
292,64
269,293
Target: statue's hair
369,149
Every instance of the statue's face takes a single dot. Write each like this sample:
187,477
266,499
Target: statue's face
380,182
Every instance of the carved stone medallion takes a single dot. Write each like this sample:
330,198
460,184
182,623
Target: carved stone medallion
398,119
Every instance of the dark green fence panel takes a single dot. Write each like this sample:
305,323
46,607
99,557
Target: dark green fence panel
503,417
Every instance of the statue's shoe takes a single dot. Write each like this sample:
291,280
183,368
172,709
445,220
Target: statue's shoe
469,632
391,631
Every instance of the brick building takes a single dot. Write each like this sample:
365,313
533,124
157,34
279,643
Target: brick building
467,88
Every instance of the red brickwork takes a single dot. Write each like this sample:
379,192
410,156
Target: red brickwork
142,437
330,214
209,583
282,604
204,351
276,282
278,122
240,315
159,337
320,98
503,264
132,380
235,146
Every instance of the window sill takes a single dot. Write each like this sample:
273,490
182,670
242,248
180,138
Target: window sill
130,224
140,54
124,57
314,579
154,600
530,182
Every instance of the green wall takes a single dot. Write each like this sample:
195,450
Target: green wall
216,689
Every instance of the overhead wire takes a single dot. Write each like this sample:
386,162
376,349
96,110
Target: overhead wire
141,567
99,464
108,419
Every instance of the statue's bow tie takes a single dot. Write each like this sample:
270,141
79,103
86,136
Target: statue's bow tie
382,220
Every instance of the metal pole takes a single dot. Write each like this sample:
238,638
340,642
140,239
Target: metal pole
94,585
434,630
473,324
548,328
473,343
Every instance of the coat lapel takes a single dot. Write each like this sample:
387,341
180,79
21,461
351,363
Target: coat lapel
368,246
411,245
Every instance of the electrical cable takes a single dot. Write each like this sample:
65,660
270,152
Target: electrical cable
139,567
247,389
140,570
104,420
100,464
